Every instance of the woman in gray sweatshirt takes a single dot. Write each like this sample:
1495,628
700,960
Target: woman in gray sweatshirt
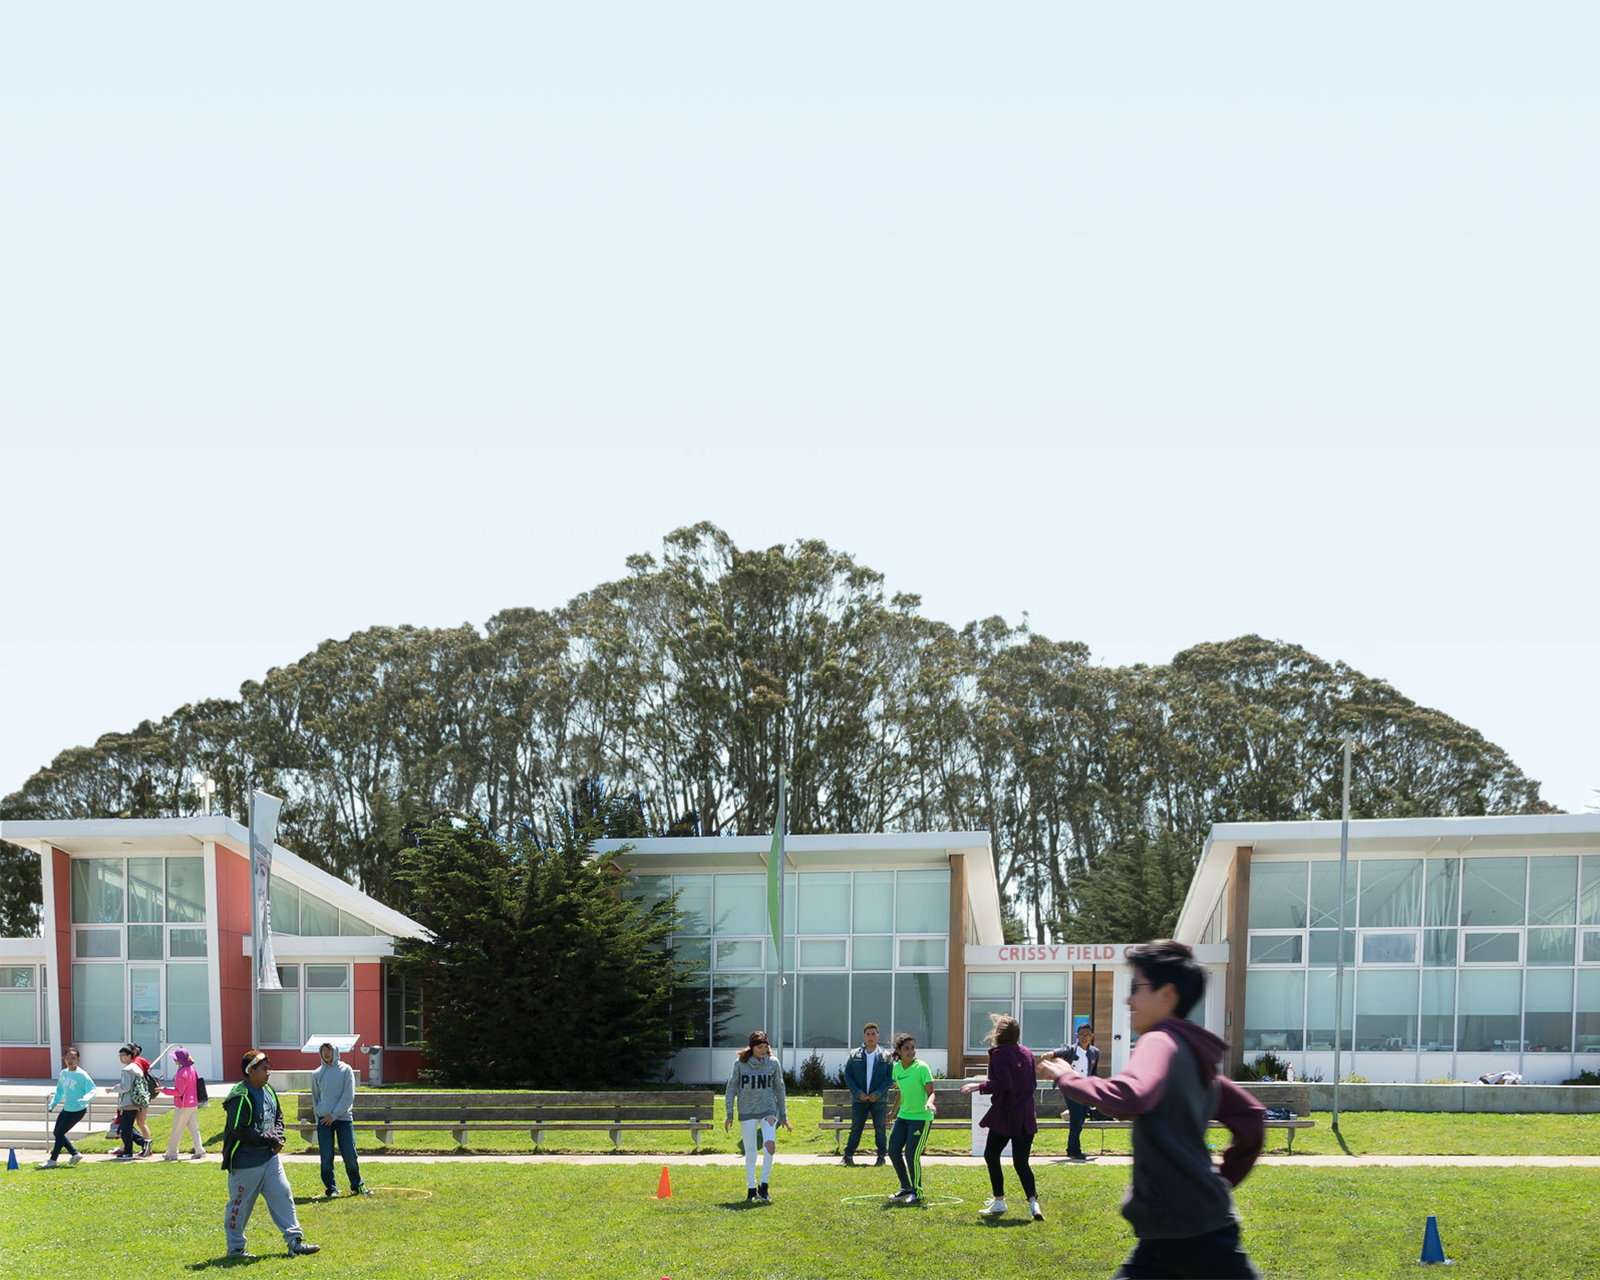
756,1085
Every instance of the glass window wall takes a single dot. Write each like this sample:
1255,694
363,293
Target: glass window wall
1494,892
1274,1013
1391,893
1547,1011
1490,1003
1278,895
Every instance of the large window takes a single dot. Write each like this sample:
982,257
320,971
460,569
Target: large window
1274,1010
852,953
402,1023
138,908
99,1003
22,1012
300,913
314,1001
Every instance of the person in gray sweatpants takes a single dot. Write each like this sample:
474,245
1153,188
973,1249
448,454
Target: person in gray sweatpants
251,1139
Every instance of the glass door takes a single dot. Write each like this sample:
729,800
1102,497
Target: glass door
144,1008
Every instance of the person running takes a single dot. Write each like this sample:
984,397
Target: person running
185,1095
1085,1056
866,1074
1182,1213
252,1137
1012,1117
757,1084
74,1088
333,1094
132,1093
914,1122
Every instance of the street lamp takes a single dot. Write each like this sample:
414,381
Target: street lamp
205,786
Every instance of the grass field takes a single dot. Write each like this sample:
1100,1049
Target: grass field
1362,1132
492,1220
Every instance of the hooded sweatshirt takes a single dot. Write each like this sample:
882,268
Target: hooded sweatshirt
1171,1091
758,1086
333,1089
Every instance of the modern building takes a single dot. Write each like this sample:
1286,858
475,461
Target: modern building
146,937
902,930
1472,944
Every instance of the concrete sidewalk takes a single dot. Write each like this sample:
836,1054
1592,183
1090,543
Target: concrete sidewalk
803,1160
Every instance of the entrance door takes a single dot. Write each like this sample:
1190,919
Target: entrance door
144,1008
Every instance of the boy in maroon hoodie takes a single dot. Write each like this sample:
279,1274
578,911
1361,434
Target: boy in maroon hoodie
1180,1208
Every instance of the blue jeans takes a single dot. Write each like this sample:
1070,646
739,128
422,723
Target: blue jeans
1076,1114
859,1111
346,1131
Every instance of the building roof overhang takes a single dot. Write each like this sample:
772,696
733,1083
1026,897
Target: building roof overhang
135,837
1396,837
907,850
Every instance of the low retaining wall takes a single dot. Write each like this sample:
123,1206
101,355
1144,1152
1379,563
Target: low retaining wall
1556,1099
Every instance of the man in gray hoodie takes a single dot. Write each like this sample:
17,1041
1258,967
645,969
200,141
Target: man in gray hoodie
333,1094
1179,1204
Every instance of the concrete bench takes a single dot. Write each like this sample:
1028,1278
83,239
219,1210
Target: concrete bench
461,1114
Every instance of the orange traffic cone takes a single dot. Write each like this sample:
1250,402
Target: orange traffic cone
664,1191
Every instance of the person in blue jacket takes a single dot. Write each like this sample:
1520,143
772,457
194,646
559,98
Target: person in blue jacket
74,1088
866,1075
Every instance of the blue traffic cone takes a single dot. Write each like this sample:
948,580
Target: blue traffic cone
1432,1246
11,1160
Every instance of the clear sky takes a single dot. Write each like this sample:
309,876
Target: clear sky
1162,323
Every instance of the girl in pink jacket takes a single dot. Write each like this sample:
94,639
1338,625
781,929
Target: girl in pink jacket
185,1095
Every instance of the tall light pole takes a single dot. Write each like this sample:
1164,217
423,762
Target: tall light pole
1338,984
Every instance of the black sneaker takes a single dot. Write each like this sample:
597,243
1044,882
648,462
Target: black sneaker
362,1190
762,1194
905,1193
849,1160
330,1193
879,1162
750,1195
302,1247
240,1253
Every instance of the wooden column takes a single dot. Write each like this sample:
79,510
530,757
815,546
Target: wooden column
1238,916
956,1018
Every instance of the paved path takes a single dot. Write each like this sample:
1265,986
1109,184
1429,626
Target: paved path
970,1162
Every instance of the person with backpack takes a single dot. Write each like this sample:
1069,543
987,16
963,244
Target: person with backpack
252,1137
133,1092
141,1118
185,1095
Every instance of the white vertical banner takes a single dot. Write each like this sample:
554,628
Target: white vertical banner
981,1102
263,831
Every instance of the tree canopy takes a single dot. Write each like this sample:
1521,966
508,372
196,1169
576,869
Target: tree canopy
682,686
538,972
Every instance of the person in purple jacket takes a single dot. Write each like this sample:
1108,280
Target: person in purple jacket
1180,1207
1011,1117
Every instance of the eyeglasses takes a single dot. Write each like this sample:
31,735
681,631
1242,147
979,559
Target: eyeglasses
1146,985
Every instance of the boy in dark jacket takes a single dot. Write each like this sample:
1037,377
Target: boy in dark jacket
1180,1207
251,1139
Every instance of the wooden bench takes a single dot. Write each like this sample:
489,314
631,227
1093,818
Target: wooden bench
1292,1097
459,1114
955,1110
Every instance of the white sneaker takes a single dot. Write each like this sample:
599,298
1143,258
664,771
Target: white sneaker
76,1156
48,1164
198,1155
1035,1210
993,1207
169,1157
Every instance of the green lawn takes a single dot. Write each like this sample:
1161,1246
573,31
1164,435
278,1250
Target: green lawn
492,1220
1363,1133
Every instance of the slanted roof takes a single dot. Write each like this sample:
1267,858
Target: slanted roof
136,837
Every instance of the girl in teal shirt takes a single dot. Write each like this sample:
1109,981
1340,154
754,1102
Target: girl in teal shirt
74,1088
